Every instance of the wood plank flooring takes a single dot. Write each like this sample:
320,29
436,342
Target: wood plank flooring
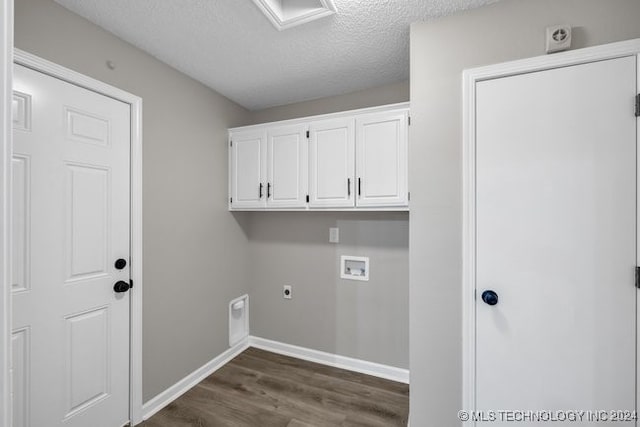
263,389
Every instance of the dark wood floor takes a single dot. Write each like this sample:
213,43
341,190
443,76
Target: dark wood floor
263,389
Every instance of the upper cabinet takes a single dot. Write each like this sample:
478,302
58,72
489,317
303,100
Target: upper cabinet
248,163
332,163
355,160
287,166
381,159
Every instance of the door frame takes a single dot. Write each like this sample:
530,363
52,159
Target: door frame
469,79
6,73
135,356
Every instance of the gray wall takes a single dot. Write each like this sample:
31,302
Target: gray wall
365,320
440,50
388,94
194,250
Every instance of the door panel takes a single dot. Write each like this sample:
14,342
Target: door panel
20,219
248,159
87,358
20,377
71,202
287,166
87,223
332,163
556,227
381,159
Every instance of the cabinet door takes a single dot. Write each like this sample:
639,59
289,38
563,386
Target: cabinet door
247,169
381,159
331,163
287,169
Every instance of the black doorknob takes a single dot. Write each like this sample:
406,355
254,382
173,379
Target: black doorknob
120,263
490,297
121,286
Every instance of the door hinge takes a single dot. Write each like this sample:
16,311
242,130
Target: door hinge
409,196
637,277
638,105
307,134
231,143
307,198
409,120
231,200
130,283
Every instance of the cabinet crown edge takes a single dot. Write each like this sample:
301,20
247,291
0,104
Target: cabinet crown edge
401,106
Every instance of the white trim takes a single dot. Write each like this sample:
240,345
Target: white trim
307,119
308,209
330,359
469,80
65,74
273,11
181,387
6,71
637,238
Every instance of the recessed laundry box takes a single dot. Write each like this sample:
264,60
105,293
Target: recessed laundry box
238,320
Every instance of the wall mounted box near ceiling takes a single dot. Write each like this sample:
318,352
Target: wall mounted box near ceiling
354,160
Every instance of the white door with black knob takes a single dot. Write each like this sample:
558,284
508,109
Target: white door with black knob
555,232
71,207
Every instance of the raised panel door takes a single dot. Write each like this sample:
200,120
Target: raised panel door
287,169
71,209
332,163
381,159
248,163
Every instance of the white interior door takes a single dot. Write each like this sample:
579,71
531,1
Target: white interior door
71,223
331,163
287,169
381,159
248,164
556,240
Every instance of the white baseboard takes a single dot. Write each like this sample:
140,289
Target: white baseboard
154,405
343,362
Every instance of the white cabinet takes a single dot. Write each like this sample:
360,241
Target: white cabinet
345,161
287,171
247,169
381,159
268,167
331,163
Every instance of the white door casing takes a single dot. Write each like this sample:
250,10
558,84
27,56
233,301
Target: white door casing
332,163
287,170
592,167
6,64
381,159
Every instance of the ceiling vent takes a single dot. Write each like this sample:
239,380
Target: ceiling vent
285,14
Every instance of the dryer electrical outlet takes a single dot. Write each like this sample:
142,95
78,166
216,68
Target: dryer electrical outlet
287,292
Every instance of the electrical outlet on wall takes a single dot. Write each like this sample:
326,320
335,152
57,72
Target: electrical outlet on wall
287,292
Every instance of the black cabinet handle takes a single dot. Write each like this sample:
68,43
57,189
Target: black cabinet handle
359,187
349,187
260,191
268,190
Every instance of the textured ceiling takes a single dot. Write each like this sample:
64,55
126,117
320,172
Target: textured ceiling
230,46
